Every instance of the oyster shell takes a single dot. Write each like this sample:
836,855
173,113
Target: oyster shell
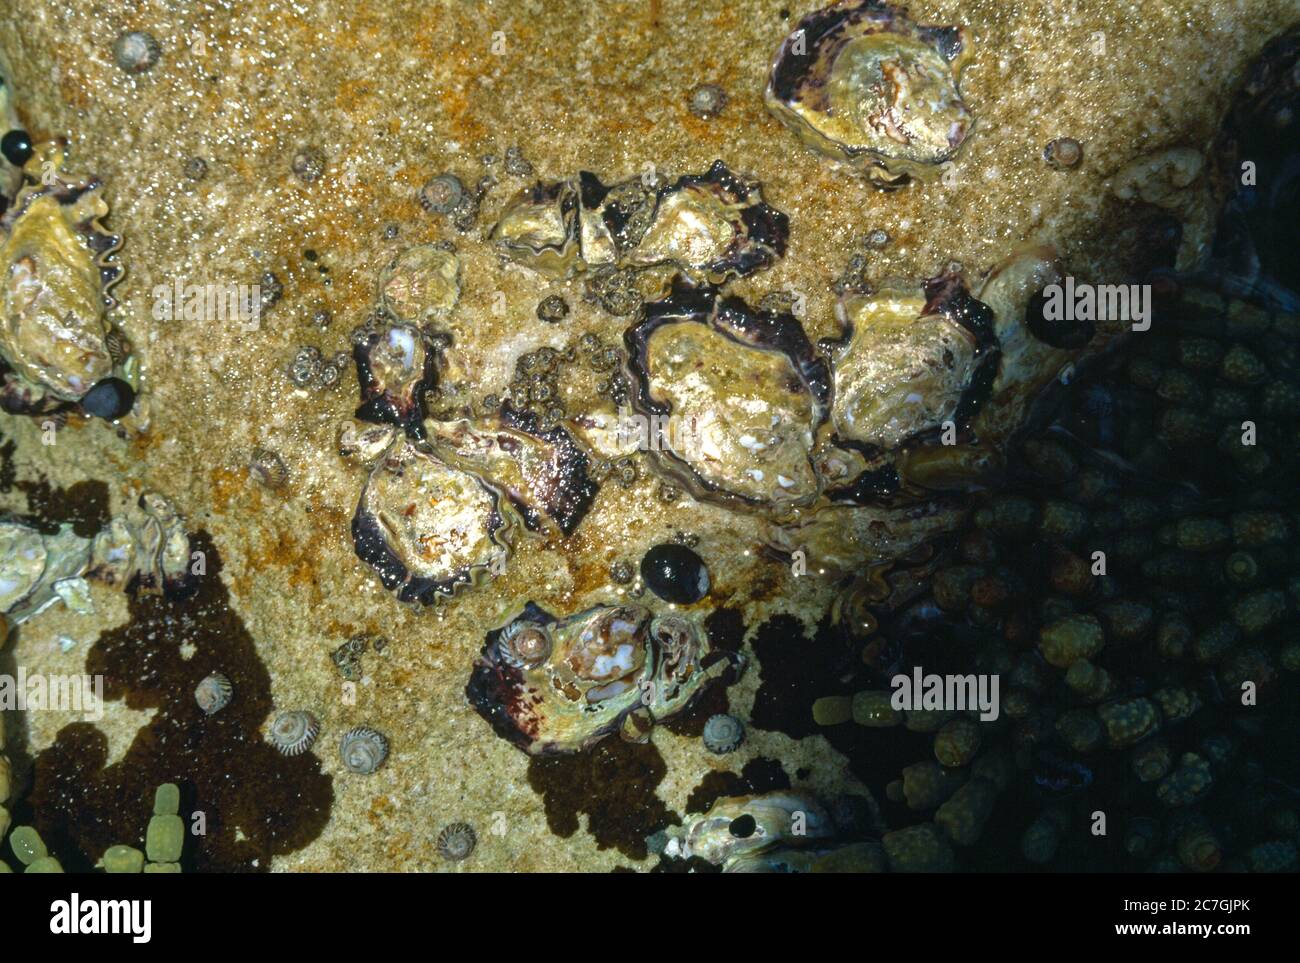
396,365
909,361
739,826
543,473
145,550
740,394
860,82
364,443
539,228
54,335
559,685
1027,364
33,565
428,528
839,539
148,550
712,226
421,284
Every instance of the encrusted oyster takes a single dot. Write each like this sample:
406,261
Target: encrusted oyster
428,528
37,569
731,398
909,361
363,442
539,228
769,820
54,269
1027,363
396,365
839,539
712,226
559,685
860,82
145,550
931,386
543,473
148,550
421,284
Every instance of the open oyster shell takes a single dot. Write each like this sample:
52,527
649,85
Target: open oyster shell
397,365
860,82
33,565
147,549
559,685
777,817
731,397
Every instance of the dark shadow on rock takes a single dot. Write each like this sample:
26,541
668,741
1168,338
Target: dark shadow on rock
614,784
758,776
255,803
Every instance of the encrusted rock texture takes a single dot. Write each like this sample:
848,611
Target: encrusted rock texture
389,95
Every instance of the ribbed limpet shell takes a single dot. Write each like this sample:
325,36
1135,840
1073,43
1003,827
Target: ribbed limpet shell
723,734
456,842
421,284
524,645
363,750
213,693
294,732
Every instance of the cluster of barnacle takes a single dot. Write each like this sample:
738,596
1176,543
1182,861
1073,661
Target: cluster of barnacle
164,841
535,388
311,369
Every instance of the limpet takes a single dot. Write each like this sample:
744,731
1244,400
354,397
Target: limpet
293,733
363,750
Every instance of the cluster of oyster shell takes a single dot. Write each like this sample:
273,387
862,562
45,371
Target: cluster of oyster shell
847,451
713,225
145,550
850,451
